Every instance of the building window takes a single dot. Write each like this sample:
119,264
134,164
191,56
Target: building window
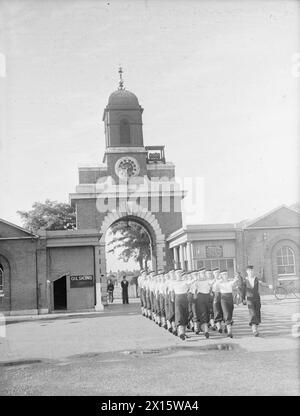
124,132
285,261
1,278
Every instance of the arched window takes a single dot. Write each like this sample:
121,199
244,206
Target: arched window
285,260
1,278
124,132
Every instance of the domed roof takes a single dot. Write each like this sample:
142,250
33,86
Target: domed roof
123,97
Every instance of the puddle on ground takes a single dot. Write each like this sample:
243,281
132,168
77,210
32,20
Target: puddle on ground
115,356
161,352
19,363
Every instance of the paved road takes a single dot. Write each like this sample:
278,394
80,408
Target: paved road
120,352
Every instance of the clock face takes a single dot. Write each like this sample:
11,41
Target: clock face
127,167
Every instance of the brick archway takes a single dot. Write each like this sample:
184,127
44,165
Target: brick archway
145,218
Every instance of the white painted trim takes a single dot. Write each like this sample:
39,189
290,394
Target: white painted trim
110,194
92,168
160,166
125,149
43,311
22,312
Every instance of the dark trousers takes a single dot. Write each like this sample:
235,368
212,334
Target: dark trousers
148,301
162,311
152,302
181,309
111,296
227,307
254,306
218,313
170,309
125,296
191,300
203,307
211,306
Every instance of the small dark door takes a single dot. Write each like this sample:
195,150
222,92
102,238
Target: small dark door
60,293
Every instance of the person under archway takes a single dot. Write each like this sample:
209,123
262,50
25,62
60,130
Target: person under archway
110,290
124,285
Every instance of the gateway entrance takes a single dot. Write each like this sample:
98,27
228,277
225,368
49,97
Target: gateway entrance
60,293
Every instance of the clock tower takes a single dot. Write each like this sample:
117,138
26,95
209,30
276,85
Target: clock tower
125,154
134,183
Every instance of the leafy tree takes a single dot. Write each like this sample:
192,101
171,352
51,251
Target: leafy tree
50,215
133,241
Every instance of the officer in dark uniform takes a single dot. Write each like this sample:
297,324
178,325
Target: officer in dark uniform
124,285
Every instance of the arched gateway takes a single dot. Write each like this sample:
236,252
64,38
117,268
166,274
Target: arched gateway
134,183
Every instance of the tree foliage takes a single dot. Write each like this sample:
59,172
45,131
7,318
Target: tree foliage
131,240
50,215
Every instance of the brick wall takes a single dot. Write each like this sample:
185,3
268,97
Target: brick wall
21,293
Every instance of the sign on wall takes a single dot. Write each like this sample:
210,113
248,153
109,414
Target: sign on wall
81,281
214,252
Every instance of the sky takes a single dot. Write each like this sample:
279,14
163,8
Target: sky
215,79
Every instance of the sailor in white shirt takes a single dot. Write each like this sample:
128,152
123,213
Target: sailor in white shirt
161,298
210,277
202,290
174,277
227,286
150,295
168,277
157,298
141,290
191,301
180,288
193,292
217,308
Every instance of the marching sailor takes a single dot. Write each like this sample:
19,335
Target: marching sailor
140,281
162,295
168,306
217,308
203,288
210,277
174,275
227,286
180,288
191,301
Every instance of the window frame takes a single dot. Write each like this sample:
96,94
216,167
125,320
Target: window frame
282,260
124,122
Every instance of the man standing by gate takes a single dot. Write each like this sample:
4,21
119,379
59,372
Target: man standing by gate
124,285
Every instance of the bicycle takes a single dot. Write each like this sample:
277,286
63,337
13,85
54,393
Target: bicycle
284,288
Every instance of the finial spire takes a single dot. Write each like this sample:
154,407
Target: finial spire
121,82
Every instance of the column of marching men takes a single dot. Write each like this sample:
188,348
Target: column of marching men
198,300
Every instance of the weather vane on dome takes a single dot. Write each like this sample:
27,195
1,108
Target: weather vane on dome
121,82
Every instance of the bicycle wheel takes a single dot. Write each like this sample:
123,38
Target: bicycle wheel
297,294
280,292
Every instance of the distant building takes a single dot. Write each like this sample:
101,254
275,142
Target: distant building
270,243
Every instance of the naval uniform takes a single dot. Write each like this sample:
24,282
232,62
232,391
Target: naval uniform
140,291
202,289
250,292
217,307
167,300
171,306
148,300
180,288
161,297
227,305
